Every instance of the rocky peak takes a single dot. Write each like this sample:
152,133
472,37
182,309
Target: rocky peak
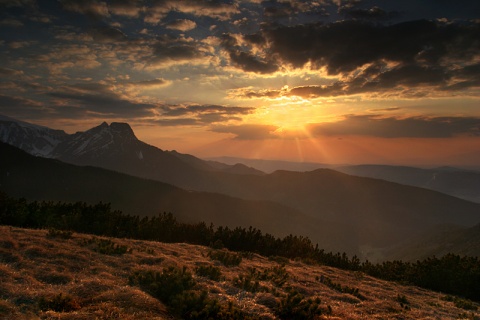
123,129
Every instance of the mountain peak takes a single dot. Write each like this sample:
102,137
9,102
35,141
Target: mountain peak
123,129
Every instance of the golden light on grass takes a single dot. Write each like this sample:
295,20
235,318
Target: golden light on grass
96,285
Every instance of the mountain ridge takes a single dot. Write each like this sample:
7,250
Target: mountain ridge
369,212
36,178
461,183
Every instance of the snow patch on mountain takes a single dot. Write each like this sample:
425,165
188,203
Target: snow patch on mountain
34,139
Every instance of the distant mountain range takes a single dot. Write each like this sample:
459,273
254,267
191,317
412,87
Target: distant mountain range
461,183
457,182
340,211
270,166
438,242
37,178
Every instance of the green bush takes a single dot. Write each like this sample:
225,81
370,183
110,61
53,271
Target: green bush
62,234
295,306
175,287
106,246
194,305
278,275
165,285
210,272
461,303
279,259
227,258
342,289
248,282
58,303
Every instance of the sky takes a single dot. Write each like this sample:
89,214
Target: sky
331,81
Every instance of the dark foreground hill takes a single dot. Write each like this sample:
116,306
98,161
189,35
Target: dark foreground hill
36,178
57,275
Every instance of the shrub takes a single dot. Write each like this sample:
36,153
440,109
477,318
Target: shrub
210,272
194,305
165,285
61,234
278,275
228,259
279,259
58,303
461,303
248,282
295,306
173,286
106,246
342,289
404,303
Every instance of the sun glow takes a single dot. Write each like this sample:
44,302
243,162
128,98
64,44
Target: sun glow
292,114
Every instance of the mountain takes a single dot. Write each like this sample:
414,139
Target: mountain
359,215
270,166
113,146
379,213
34,139
36,178
464,184
438,242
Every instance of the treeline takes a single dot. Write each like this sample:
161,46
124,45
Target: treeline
450,274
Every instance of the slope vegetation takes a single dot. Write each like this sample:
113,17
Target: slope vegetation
60,275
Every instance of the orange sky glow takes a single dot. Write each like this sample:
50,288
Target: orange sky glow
332,81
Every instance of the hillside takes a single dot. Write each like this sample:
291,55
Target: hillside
464,184
357,215
55,275
379,213
36,178
439,242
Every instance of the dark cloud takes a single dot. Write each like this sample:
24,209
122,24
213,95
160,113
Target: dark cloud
128,8
398,80
250,63
181,25
10,72
169,49
201,114
247,61
154,83
248,131
409,53
466,77
107,34
385,109
336,89
23,108
278,9
201,8
16,3
413,127
92,8
374,13
101,100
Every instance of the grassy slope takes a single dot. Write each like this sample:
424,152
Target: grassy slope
33,266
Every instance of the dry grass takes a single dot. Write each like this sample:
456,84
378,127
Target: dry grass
95,285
